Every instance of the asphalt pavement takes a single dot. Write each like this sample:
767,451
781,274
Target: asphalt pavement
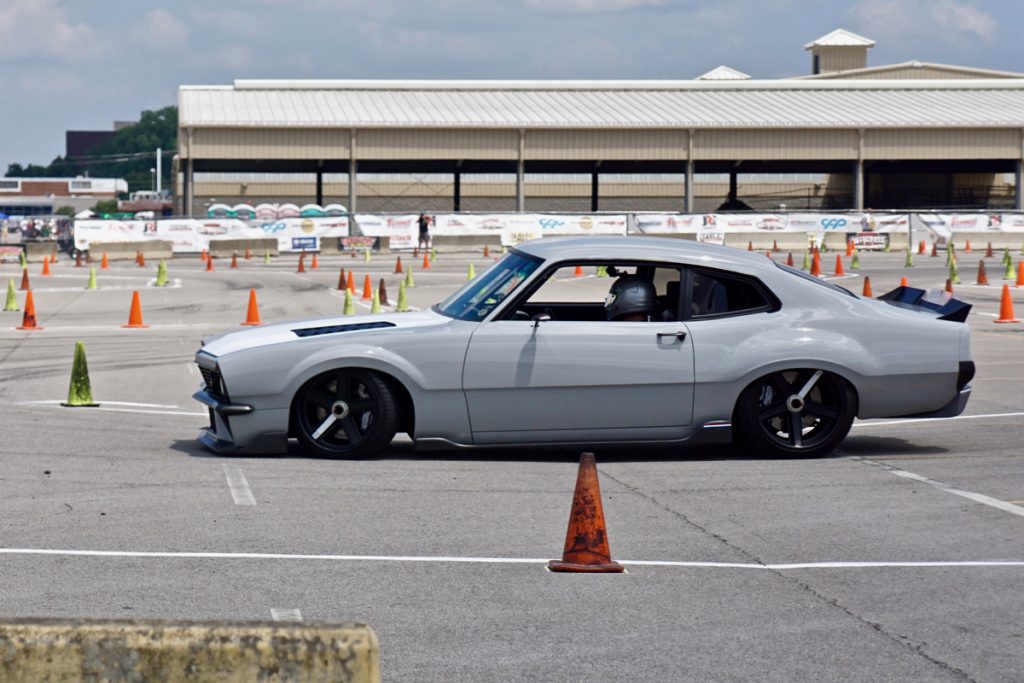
900,557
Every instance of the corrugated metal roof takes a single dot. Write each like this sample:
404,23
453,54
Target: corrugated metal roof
840,38
647,104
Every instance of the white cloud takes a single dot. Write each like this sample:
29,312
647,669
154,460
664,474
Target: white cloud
589,6
161,30
940,20
43,29
236,57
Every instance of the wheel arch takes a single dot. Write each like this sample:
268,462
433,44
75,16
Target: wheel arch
844,373
402,395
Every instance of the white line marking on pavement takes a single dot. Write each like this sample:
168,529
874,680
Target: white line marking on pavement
970,495
935,420
239,487
106,403
500,560
286,615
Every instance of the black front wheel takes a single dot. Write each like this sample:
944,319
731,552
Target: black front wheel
345,413
795,413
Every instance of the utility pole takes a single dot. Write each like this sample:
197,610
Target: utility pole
159,171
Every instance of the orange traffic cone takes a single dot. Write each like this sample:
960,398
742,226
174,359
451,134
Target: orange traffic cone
1020,274
234,260
367,288
382,293
209,264
253,315
341,279
135,314
750,246
398,265
586,541
1005,308
775,245
982,275
78,259
816,264
849,248
315,264
142,260
988,250
248,253
104,264
137,255
302,263
921,248
935,248
768,253
903,282
949,285
839,266
415,252
25,286
967,247
28,320
867,293
46,265
487,252
578,272
426,260
350,284
203,256
789,260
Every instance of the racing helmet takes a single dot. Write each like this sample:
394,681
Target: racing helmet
630,294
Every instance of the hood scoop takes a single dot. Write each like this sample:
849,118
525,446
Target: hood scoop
333,329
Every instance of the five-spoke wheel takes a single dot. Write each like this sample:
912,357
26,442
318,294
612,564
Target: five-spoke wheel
801,412
345,413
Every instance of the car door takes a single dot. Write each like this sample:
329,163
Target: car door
578,380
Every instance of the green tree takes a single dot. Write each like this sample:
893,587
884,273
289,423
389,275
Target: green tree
68,211
105,206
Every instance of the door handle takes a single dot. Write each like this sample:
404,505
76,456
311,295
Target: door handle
680,335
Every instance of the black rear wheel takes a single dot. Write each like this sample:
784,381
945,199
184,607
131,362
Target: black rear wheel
795,413
345,413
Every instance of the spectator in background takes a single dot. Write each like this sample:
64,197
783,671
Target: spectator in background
424,222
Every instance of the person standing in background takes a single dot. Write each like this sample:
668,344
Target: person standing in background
424,222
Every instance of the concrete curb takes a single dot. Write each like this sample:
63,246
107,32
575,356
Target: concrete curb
52,650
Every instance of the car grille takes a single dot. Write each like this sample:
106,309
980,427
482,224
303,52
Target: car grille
213,383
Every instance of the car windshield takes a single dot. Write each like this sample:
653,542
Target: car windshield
811,278
479,296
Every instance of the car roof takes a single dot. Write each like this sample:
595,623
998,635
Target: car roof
645,248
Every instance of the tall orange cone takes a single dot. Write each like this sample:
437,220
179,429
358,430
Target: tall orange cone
382,293
982,275
137,255
248,253
867,293
775,245
586,540
142,260
904,282
234,260
1020,274
341,279
988,250
750,246
849,248
816,264
1005,308
416,252
578,272
967,247
839,266
28,320
949,285
789,260
350,284
398,265
367,288
25,286
78,259
426,260
46,265
253,315
935,248
314,265
135,314
921,248
209,264
487,252
768,253
104,264
302,263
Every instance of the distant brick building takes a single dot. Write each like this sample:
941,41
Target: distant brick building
43,196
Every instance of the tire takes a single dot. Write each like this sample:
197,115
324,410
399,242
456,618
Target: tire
345,413
771,418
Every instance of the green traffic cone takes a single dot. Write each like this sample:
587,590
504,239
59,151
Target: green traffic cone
12,297
504,249
470,272
375,306
433,254
954,276
807,261
92,279
161,274
886,249
602,271
366,254
403,303
408,278
909,261
855,261
79,390
1006,256
350,303
22,260
266,256
1022,248
1011,272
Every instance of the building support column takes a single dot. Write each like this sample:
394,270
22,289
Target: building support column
353,170
858,174
320,183
457,191
593,190
733,182
521,173
1018,191
189,180
691,190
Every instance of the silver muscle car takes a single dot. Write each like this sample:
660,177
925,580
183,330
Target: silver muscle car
526,354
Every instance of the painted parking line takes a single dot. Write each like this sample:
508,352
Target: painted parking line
121,407
441,559
1003,505
238,485
292,615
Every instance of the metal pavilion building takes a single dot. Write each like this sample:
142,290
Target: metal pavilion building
880,132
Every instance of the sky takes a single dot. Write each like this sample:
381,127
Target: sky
82,64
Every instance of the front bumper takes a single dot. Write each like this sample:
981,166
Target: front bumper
218,437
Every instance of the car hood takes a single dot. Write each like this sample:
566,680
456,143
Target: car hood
317,328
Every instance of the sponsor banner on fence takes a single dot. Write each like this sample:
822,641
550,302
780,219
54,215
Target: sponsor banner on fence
10,252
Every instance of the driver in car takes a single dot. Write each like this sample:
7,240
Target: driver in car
631,299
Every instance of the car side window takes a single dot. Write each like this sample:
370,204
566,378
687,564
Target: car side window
716,294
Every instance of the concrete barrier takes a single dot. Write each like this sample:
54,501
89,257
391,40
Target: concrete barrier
35,252
1014,241
762,241
258,246
126,251
52,650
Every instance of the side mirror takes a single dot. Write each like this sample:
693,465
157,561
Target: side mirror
539,318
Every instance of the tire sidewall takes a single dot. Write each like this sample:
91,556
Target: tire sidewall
381,434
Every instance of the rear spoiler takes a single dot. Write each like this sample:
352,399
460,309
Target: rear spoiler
934,301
